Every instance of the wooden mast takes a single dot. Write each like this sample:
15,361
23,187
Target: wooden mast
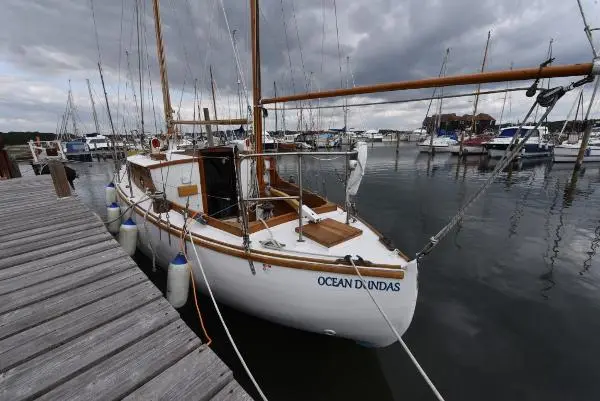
256,91
474,118
164,81
214,98
521,74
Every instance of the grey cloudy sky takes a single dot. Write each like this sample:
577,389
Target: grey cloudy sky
44,43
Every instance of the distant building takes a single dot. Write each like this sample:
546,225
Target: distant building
452,122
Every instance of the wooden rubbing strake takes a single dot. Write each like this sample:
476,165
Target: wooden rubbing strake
330,232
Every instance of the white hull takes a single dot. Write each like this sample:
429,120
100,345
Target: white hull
468,150
568,154
315,301
498,153
438,149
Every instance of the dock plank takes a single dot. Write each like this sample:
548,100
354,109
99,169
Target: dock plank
53,250
79,320
232,392
180,383
30,343
44,226
115,377
38,375
49,261
62,269
21,319
46,289
24,247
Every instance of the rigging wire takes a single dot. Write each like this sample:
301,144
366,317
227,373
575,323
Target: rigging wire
119,61
287,44
236,55
398,336
337,34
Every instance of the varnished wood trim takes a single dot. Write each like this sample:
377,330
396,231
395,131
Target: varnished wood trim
187,190
172,163
284,219
389,271
257,226
203,185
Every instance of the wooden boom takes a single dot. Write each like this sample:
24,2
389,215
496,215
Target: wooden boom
233,121
522,74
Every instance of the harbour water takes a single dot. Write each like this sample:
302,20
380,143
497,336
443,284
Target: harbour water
508,302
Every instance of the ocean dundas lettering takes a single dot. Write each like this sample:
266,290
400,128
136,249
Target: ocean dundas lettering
356,283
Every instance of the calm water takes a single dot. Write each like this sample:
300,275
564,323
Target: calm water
508,306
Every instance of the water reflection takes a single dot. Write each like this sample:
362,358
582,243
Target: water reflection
491,268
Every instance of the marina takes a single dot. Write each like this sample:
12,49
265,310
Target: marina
226,210
79,320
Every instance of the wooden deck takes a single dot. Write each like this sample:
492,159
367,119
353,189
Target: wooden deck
80,321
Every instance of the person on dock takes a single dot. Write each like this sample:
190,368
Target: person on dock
8,167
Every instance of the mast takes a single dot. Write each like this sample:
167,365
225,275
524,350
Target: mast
256,91
160,50
439,114
474,118
214,99
139,35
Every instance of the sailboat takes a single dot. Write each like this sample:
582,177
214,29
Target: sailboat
268,246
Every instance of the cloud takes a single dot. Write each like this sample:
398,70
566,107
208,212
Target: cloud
44,43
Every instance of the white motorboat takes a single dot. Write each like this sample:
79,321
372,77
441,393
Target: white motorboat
440,144
535,146
567,152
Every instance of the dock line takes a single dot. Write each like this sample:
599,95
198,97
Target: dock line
406,349
235,348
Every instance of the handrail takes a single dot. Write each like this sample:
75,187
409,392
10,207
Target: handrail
249,155
296,199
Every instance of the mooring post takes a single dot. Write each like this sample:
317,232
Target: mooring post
59,178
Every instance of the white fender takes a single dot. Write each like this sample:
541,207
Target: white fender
178,281
128,236
113,211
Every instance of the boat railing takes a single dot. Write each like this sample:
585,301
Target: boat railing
299,156
42,151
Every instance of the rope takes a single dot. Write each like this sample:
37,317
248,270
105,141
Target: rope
391,326
507,158
126,210
229,336
150,239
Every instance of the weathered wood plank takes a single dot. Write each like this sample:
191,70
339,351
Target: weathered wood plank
49,241
54,250
28,316
48,224
198,376
70,266
127,370
25,244
65,257
38,292
50,211
28,210
38,375
232,392
34,341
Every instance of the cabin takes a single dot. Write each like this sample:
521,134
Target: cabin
453,122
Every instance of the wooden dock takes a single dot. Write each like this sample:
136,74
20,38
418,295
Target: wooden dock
80,321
